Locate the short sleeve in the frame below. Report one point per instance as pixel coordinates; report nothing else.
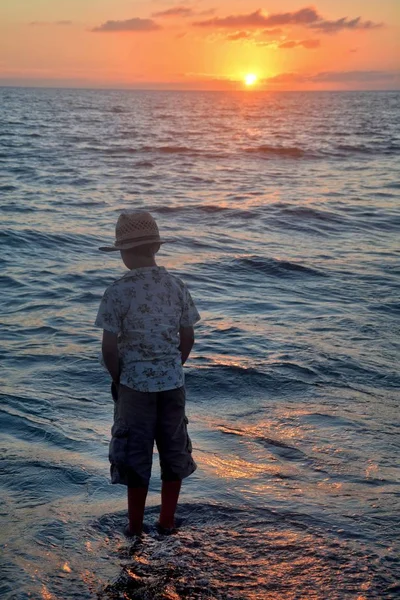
(109, 316)
(190, 315)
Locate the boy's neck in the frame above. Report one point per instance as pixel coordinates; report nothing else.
(137, 262)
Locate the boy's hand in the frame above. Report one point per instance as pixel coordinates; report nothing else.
(114, 391)
(109, 349)
(186, 335)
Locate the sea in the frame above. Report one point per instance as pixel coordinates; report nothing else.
(284, 213)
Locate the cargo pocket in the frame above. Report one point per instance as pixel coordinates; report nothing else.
(189, 446)
(114, 391)
(191, 465)
(118, 449)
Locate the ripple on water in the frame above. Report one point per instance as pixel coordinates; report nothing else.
(222, 553)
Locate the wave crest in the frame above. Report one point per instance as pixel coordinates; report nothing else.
(275, 267)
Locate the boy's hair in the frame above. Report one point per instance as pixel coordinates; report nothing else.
(145, 250)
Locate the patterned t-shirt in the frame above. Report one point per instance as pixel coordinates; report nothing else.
(146, 308)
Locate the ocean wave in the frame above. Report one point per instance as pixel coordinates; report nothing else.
(332, 420)
(235, 380)
(349, 149)
(281, 151)
(17, 208)
(170, 150)
(41, 477)
(306, 213)
(37, 429)
(276, 446)
(353, 149)
(111, 150)
(10, 281)
(347, 372)
(275, 267)
(386, 307)
(146, 149)
(207, 208)
(145, 164)
(28, 238)
(225, 151)
(266, 378)
(333, 151)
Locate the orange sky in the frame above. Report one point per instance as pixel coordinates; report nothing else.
(201, 44)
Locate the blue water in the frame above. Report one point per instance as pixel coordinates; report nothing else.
(285, 210)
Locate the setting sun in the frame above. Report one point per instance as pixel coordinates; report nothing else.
(250, 79)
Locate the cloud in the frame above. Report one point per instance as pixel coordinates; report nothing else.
(40, 23)
(309, 44)
(271, 32)
(135, 24)
(344, 23)
(258, 19)
(306, 17)
(257, 37)
(239, 35)
(355, 76)
(346, 77)
(287, 78)
(175, 11)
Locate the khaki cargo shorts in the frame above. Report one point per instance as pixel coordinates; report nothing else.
(140, 418)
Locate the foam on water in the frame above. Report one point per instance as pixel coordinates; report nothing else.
(284, 210)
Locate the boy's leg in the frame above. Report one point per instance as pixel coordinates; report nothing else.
(135, 412)
(169, 501)
(136, 504)
(175, 451)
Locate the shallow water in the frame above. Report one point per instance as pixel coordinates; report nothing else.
(285, 214)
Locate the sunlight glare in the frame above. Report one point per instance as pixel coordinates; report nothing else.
(250, 79)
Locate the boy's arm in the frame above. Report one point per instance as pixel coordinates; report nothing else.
(109, 350)
(186, 335)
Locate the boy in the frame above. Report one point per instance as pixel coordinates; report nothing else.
(147, 318)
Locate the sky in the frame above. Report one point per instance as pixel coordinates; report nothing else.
(201, 44)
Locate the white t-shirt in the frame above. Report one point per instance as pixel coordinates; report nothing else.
(146, 308)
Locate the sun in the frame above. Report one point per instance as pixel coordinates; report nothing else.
(250, 79)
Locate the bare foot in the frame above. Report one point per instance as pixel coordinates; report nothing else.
(163, 530)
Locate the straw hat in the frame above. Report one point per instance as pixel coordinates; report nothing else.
(134, 229)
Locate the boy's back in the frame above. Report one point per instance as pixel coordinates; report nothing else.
(146, 309)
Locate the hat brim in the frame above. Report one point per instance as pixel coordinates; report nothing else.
(130, 245)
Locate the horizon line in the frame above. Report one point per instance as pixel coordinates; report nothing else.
(128, 88)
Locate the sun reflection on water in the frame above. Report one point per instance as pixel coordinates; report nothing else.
(233, 467)
(46, 595)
